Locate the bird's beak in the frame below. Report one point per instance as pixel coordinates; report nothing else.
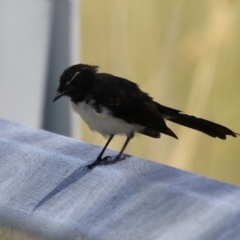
(58, 95)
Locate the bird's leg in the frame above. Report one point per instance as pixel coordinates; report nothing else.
(118, 157)
(99, 159)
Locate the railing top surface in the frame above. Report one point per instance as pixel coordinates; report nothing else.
(46, 191)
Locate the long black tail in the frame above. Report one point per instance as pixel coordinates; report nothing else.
(210, 128)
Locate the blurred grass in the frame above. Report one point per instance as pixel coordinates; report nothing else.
(186, 54)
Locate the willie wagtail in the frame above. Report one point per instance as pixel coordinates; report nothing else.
(113, 105)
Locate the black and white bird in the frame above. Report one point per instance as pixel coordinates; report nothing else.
(113, 105)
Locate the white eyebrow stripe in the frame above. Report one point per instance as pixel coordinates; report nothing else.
(73, 78)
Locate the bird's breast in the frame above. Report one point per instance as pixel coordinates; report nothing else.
(102, 121)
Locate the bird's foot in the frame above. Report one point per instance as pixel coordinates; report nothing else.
(106, 161)
(114, 160)
(99, 161)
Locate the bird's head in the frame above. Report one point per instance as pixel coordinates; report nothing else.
(75, 80)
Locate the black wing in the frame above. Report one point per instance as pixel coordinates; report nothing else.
(128, 102)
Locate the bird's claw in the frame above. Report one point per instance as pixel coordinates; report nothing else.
(115, 160)
(99, 161)
(106, 161)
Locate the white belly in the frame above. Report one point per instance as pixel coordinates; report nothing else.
(103, 122)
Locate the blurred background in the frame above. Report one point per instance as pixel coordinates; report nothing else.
(185, 53)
